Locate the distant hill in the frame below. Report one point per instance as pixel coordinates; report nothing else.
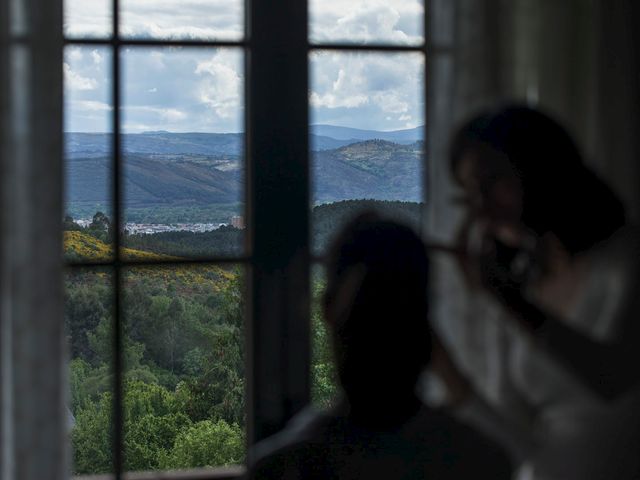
(150, 180)
(323, 137)
(374, 169)
(162, 143)
(353, 135)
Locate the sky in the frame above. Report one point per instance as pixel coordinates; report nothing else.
(200, 90)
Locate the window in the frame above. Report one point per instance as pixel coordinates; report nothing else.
(211, 149)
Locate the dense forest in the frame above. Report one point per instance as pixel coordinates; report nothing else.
(182, 335)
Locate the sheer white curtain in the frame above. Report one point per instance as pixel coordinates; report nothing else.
(579, 60)
(32, 368)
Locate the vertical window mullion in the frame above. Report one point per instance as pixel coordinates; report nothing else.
(278, 183)
(118, 414)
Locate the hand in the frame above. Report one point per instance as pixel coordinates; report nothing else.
(498, 257)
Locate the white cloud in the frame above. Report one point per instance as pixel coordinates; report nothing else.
(87, 95)
(331, 100)
(366, 21)
(91, 106)
(73, 54)
(393, 101)
(195, 19)
(87, 18)
(75, 81)
(221, 84)
(192, 19)
(183, 89)
(367, 90)
(96, 57)
(165, 114)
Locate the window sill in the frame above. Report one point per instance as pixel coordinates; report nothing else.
(230, 473)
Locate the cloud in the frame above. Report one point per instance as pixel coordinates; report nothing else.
(87, 18)
(367, 90)
(87, 92)
(191, 19)
(183, 89)
(75, 81)
(165, 114)
(74, 54)
(366, 21)
(96, 57)
(221, 84)
(201, 89)
(360, 21)
(91, 106)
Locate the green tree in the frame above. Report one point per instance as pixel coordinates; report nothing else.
(207, 444)
(100, 227)
(323, 373)
(149, 439)
(91, 437)
(69, 224)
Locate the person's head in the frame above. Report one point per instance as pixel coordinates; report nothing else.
(518, 165)
(376, 308)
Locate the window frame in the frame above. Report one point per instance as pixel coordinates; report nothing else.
(277, 255)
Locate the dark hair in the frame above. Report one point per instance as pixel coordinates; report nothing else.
(560, 194)
(385, 333)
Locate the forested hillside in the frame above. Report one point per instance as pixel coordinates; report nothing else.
(183, 343)
(184, 367)
(209, 180)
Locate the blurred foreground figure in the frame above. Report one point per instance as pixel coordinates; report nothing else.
(547, 240)
(376, 309)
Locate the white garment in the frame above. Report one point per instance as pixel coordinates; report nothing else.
(557, 427)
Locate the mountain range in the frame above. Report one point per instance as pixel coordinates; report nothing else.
(183, 169)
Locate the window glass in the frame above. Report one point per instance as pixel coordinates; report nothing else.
(182, 19)
(367, 21)
(184, 367)
(88, 319)
(366, 137)
(324, 384)
(87, 18)
(88, 233)
(182, 117)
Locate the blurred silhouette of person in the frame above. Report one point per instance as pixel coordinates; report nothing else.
(548, 240)
(376, 307)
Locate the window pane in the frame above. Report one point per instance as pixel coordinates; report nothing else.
(324, 384)
(366, 138)
(367, 21)
(183, 19)
(87, 18)
(183, 151)
(89, 329)
(88, 234)
(184, 358)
